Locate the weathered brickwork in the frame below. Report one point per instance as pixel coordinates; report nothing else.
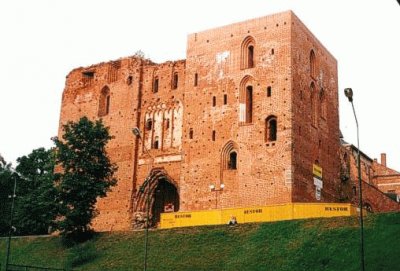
(240, 122)
(372, 174)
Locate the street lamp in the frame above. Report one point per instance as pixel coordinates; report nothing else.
(349, 94)
(216, 190)
(136, 132)
(12, 228)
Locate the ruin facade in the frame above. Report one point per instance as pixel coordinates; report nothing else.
(242, 121)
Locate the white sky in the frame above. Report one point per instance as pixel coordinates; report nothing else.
(42, 40)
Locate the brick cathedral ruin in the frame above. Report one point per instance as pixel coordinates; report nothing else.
(249, 112)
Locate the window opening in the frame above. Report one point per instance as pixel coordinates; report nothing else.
(269, 91)
(249, 104)
(175, 81)
(155, 85)
(232, 163)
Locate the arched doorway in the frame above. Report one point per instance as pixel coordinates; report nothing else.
(165, 199)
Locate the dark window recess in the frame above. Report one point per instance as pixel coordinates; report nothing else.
(88, 74)
(250, 56)
(196, 78)
(269, 91)
(149, 125)
(272, 51)
(104, 102)
(249, 104)
(232, 163)
(213, 135)
(214, 101)
(175, 81)
(155, 85)
(129, 80)
(191, 133)
(271, 129)
(225, 98)
(156, 144)
(312, 64)
(108, 104)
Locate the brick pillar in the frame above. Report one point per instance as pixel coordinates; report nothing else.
(383, 159)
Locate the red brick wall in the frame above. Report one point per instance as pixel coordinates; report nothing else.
(372, 195)
(268, 171)
(314, 142)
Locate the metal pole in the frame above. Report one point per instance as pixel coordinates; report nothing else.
(360, 203)
(11, 222)
(146, 238)
(136, 132)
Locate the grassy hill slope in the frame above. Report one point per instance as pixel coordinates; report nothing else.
(316, 244)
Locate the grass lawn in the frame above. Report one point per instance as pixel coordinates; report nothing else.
(315, 244)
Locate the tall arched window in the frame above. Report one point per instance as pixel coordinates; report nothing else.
(232, 163)
(250, 56)
(249, 104)
(155, 84)
(322, 98)
(149, 124)
(312, 64)
(246, 100)
(156, 143)
(271, 129)
(175, 81)
(104, 102)
(247, 53)
(229, 156)
(196, 79)
(314, 105)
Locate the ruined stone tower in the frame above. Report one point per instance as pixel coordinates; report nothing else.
(250, 111)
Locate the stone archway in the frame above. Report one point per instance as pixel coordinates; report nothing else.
(163, 197)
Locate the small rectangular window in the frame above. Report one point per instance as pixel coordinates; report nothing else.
(175, 81)
(213, 135)
(155, 85)
(225, 98)
(269, 91)
(214, 101)
(196, 78)
(191, 133)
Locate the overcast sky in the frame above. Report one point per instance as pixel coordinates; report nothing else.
(41, 41)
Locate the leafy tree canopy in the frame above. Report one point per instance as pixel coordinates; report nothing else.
(85, 174)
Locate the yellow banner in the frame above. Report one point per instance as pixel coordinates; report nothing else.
(276, 212)
(317, 171)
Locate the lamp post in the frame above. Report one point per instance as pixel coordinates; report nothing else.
(216, 190)
(349, 94)
(136, 132)
(11, 221)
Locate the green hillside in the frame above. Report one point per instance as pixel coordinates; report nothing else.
(316, 244)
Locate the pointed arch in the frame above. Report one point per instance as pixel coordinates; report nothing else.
(314, 100)
(271, 128)
(313, 69)
(247, 53)
(104, 102)
(229, 154)
(323, 103)
(246, 100)
(149, 187)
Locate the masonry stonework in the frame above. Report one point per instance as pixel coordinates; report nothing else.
(249, 112)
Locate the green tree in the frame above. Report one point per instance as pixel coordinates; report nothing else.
(36, 204)
(6, 189)
(86, 173)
